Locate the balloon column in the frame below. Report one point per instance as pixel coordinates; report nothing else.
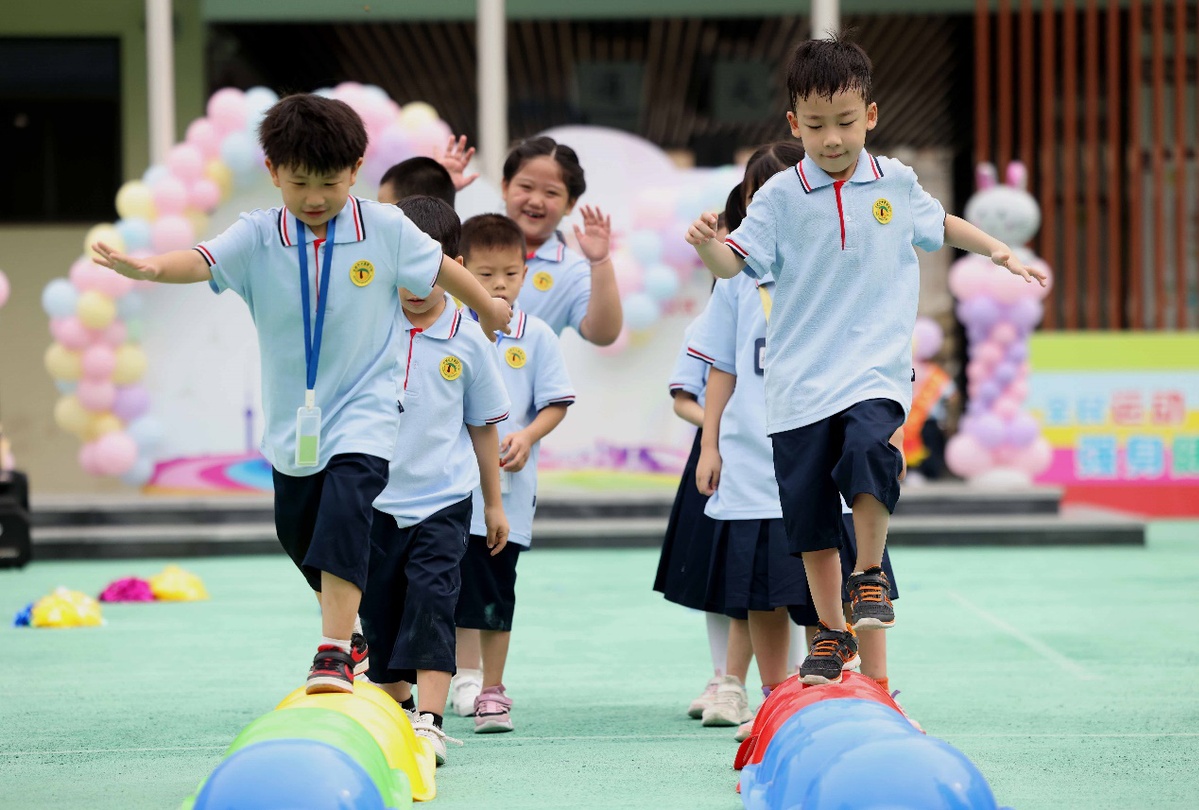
(96, 359)
(998, 441)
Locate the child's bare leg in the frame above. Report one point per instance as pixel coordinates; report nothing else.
(400, 690)
(432, 689)
(339, 602)
(741, 648)
(470, 652)
(495, 656)
(872, 647)
(770, 633)
(809, 634)
(870, 521)
(823, 569)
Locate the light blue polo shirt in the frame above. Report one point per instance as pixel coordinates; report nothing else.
(450, 379)
(843, 256)
(732, 338)
(377, 249)
(534, 373)
(557, 287)
(690, 374)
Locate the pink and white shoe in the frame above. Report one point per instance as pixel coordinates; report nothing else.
(696, 710)
(492, 711)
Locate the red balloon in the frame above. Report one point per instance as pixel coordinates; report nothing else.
(791, 696)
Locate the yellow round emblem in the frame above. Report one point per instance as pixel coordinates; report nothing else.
(516, 357)
(882, 211)
(542, 281)
(451, 368)
(362, 273)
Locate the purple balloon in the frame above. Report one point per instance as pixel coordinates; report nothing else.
(131, 402)
(1005, 372)
(979, 312)
(1017, 352)
(1025, 314)
(1022, 430)
(989, 430)
(988, 392)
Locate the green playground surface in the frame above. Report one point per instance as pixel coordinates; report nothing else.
(1069, 675)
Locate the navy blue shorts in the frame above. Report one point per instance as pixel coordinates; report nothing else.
(685, 565)
(849, 452)
(804, 614)
(488, 597)
(408, 607)
(752, 568)
(324, 520)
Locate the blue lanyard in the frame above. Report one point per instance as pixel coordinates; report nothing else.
(312, 343)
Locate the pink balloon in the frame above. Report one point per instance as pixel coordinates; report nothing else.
(171, 233)
(227, 109)
(204, 136)
(115, 453)
(99, 362)
(1018, 390)
(966, 457)
(170, 196)
(115, 334)
(71, 333)
(926, 338)
(1008, 289)
(96, 396)
(204, 195)
(4, 288)
(975, 371)
(112, 284)
(968, 276)
(86, 275)
(131, 402)
(1035, 458)
(1006, 407)
(88, 460)
(1004, 333)
(186, 162)
(989, 354)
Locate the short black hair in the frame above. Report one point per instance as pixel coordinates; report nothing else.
(734, 208)
(491, 231)
(420, 175)
(306, 131)
(826, 67)
(767, 161)
(563, 155)
(436, 218)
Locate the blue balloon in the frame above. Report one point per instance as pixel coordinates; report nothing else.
(646, 247)
(661, 282)
(135, 231)
(238, 152)
(289, 773)
(154, 174)
(59, 298)
(640, 312)
(146, 432)
(140, 473)
(130, 305)
(916, 771)
(66, 386)
(258, 101)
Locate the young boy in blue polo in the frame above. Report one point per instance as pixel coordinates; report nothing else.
(448, 446)
(320, 276)
(534, 374)
(838, 234)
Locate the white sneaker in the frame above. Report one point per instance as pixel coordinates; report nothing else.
(744, 731)
(464, 688)
(423, 726)
(696, 709)
(730, 704)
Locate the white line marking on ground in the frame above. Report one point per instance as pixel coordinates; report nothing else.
(111, 751)
(1037, 646)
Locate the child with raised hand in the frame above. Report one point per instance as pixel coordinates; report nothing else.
(838, 235)
(534, 375)
(453, 397)
(320, 276)
(542, 183)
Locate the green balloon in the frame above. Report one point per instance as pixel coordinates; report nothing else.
(337, 730)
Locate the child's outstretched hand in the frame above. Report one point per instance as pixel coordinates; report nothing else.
(703, 230)
(496, 320)
(707, 473)
(497, 528)
(455, 158)
(1006, 258)
(595, 236)
(514, 451)
(127, 266)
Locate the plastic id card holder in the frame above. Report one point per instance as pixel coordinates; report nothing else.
(308, 436)
(505, 482)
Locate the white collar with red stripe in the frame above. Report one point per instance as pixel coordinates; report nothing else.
(446, 325)
(351, 227)
(519, 319)
(552, 250)
(812, 177)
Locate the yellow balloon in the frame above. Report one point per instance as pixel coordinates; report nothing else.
(219, 173)
(95, 309)
(101, 423)
(71, 416)
(131, 365)
(134, 199)
(62, 363)
(106, 233)
(199, 221)
(415, 113)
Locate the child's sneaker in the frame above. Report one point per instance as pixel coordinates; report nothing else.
(869, 591)
(730, 704)
(423, 726)
(696, 709)
(744, 730)
(332, 671)
(360, 653)
(492, 711)
(464, 688)
(832, 652)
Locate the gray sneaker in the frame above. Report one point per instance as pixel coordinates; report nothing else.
(730, 704)
(869, 592)
(832, 652)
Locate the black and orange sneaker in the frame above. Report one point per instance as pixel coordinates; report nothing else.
(870, 598)
(832, 652)
(332, 671)
(359, 652)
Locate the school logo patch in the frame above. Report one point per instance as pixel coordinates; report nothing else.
(883, 211)
(516, 357)
(451, 368)
(543, 281)
(362, 273)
